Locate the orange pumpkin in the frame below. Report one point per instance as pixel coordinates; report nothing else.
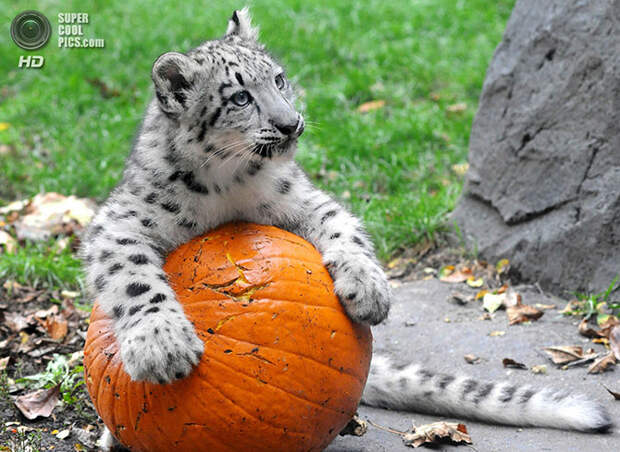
(283, 367)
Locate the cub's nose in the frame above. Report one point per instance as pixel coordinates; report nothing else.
(287, 129)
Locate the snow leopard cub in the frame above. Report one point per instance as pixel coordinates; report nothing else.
(216, 145)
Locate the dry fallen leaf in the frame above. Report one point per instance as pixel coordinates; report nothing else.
(63, 434)
(456, 276)
(615, 395)
(474, 282)
(370, 106)
(460, 298)
(588, 331)
(355, 427)
(56, 326)
(492, 302)
(602, 364)
(460, 169)
(481, 294)
(545, 307)
(520, 313)
(435, 432)
(606, 326)
(51, 213)
(564, 354)
(513, 298)
(508, 362)
(7, 242)
(457, 108)
(496, 333)
(572, 306)
(539, 369)
(472, 359)
(38, 403)
(17, 322)
(86, 436)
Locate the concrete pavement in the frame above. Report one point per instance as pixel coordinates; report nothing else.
(424, 326)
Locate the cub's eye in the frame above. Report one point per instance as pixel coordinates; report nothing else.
(280, 81)
(241, 98)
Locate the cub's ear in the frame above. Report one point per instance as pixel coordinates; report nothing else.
(174, 75)
(240, 24)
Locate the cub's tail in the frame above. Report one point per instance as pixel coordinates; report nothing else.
(414, 388)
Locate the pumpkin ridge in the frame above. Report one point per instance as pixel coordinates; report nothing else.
(297, 303)
(269, 300)
(295, 396)
(232, 402)
(100, 337)
(133, 429)
(309, 358)
(112, 411)
(100, 372)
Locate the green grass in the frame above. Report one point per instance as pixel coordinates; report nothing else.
(601, 305)
(418, 56)
(42, 265)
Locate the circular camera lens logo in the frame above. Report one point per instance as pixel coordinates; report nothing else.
(31, 30)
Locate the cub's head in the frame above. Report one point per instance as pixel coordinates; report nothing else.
(229, 96)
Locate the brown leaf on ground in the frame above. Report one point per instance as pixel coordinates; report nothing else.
(472, 359)
(564, 354)
(615, 395)
(513, 298)
(56, 326)
(17, 322)
(457, 276)
(539, 369)
(508, 362)
(355, 427)
(86, 437)
(614, 341)
(606, 327)
(38, 403)
(24, 294)
(492, 302)
(105, 91)
(522, 313)
(7, 243)
(370, 106)
(457, 108)
(460, 298)
(52, 214)
(587, 331)
(602, 364)
(572, 306)
(545, 307)
(437, 432)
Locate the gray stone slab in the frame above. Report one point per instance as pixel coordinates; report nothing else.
(442, 345)
(543, 187)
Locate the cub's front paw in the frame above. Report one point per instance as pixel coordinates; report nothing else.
(159, 349)
(361, 286)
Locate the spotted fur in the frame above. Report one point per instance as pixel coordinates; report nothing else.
(216, 145)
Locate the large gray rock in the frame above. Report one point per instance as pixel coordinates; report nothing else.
(543, 188)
